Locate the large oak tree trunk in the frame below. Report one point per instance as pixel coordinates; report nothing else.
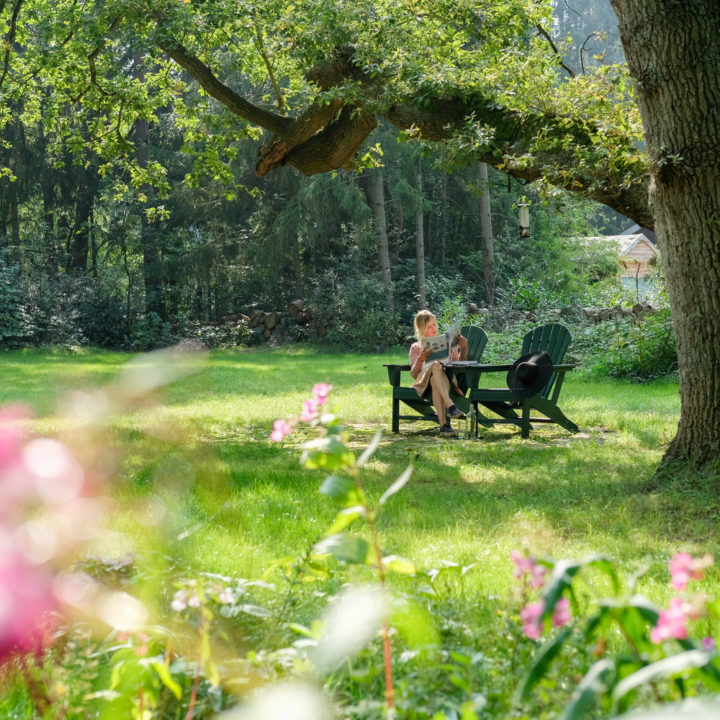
(673, 52)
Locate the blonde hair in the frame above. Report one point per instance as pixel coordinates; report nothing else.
(422, 318)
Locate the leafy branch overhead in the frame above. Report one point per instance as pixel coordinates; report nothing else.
(481, 78)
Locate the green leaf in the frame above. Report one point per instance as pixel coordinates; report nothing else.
(545, 656)
(327, 452)
(205, 650)
(689, 709)
(167, 679)
(343, 490)
(666, 668)
(414, 624)
(212, 673)
(285, 563)
(400, 565)
(634, 616)
(370, 449)
(563, 573)
(347, 548)
(593, 684)
(251, 609)
(344, 518)
(397, 485)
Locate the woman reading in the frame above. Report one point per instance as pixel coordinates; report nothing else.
(430, 378)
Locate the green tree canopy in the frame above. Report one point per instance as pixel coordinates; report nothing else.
(483, 77)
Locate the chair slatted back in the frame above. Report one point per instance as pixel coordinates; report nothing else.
(477, 340)
(554, 339)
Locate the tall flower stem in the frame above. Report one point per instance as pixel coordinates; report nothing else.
(387, 649)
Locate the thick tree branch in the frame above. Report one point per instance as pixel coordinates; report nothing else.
(327, 135)
(624, 189)
(10, 39)
(335, 145)
(227, 96)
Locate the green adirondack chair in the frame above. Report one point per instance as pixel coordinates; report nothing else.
(553, 339)
(422, 407)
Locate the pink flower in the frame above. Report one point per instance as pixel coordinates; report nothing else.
(320, 392)
(562, 615)
(280, 429)
(309, 410)
(708, 644)
(530, 615)
(525, 564)
(672, 623)
(25, 599)
(11, 435)
(683, 568)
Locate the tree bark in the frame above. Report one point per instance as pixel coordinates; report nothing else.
(443, 219)
(673, 52)
(151, 254)
(376, 197)
(79, 242)
(14, 240)
(326, 135)
(297, 266)
(486, 235)
(420, 241)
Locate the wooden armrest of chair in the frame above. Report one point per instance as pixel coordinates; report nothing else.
(394, 373)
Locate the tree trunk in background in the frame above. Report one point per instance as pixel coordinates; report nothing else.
(297, 267)
(49, 230)
(79, 241)
(93, 248)
(486, 235)
(442, 232)
(673, 52)
(14, 239)
(420, 240)
(376, 197)
(151, 256)
(50, 234)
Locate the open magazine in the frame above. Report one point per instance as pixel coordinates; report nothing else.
(444, 346)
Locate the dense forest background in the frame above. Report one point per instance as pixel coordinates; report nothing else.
(88, 258)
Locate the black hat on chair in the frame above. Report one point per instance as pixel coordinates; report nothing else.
(530, 373)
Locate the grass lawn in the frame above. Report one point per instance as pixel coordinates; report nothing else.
(246, 500)
(232, 502)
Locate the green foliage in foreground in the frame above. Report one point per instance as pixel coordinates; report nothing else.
(241, 516)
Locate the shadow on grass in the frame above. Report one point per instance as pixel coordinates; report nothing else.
(589, 490)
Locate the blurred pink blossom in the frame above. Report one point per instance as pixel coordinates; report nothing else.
(530, 615)
(280, 429)
(309, 410)
(11, 435)
(672, 623)
(709, 644)
(525, 564)
(562, 615)
(25, 599)
(683, 568)
(320, 392)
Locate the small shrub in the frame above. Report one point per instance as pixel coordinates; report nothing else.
(10, 298)
(647, 351)
(150, 331)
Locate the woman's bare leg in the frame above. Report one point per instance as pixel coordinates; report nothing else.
(440, 392)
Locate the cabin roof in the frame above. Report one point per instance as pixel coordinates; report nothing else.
(626, 243)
